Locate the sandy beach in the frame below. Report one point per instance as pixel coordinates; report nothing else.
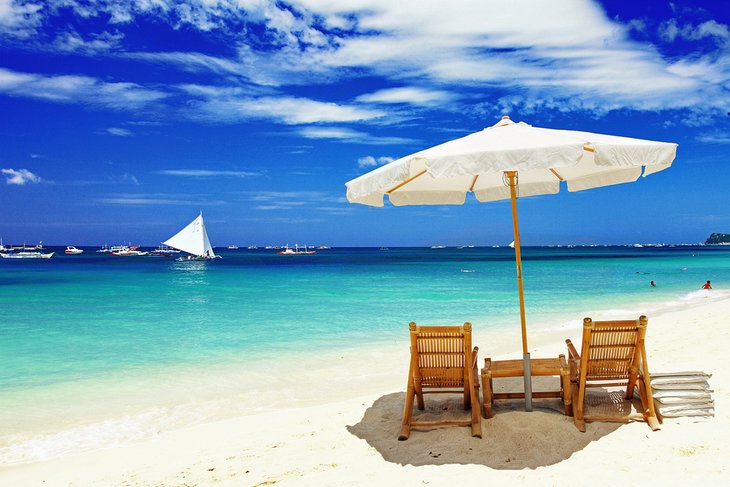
(351, 439)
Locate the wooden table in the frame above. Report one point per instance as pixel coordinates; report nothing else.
(515, 368)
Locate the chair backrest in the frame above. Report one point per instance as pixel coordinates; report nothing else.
(440, 355)
(611, 349)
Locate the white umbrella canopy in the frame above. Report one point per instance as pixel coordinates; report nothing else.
(506, 159)
(444, 174)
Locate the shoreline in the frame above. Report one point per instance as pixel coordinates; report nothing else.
(223, 398)
(671, 345)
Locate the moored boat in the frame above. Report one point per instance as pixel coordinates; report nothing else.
(163, 251)
(71, 250)
(295, 251)
(125, 251)
(26, 254)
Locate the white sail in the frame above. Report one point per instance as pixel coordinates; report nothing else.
(512, 244)
(193, 239)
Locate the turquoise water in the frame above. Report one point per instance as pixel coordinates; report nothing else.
(94, 338)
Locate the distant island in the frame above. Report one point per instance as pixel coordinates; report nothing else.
(718, 239)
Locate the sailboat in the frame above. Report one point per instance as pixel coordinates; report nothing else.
(512, 244)
(193, 239)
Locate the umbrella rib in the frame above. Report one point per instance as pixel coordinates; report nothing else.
(471, 188)
(405, 182)
(556, 174)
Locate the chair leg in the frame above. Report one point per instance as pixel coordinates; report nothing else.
(577, 409)
(633, 376)
(467, 398)
(419, 397)
(476, 416)
(405, 429)
(648, 409)
(487, 393)
(565, 387)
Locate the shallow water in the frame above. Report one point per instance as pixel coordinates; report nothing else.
(99, 350)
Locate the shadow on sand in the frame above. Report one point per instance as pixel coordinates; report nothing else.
(513, 439)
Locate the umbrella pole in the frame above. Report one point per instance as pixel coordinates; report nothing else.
(527, 372)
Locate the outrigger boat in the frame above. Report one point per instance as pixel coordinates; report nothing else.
(26, 254)
(289, 251)
(124, 251)
(164, 251)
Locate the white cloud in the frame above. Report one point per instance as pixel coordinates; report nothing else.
(561, 50)
(204, 173)
(370, 161)
(714, 138)
(670, 31)
(411, 95)
(191, 61)
(302, 110)
(77, 89)
(155, 200)
(130, 178)
(283, 109)
(118, 132)
(141, 201)
(275, 200)
(19, 177)
(352, 136)
(558, 50)
(18, 20)
(71, 41)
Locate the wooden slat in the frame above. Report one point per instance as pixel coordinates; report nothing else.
(444, 422)
(515, 368)
(521, 395)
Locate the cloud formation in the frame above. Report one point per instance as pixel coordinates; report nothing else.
(426, 56)
(370, 161)
(347, 135)
(205, 173)
(78, 89)
(118, 132)
(19, 177)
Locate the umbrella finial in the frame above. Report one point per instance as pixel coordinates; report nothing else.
(505, 117)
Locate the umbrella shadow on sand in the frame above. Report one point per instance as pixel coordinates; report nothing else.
(513, 439)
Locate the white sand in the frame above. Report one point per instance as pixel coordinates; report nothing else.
(351, 439)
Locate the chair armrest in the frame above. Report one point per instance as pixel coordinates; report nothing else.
(574, 355)
(474, 354)
(573, 360)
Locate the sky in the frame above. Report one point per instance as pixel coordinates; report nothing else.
(121, 120)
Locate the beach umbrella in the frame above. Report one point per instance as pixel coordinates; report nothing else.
(506, 161)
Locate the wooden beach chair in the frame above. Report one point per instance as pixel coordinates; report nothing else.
(442, 361)
(612, 354)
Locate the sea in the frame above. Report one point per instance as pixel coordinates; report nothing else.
(98, 351)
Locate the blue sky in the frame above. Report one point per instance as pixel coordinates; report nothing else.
(119, 121)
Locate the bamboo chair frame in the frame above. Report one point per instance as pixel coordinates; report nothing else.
(613, 354)
(442, 361)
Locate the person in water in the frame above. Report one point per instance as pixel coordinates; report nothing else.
(653, 284)
(707, 285)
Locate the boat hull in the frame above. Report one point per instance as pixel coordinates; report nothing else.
(27, 255)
